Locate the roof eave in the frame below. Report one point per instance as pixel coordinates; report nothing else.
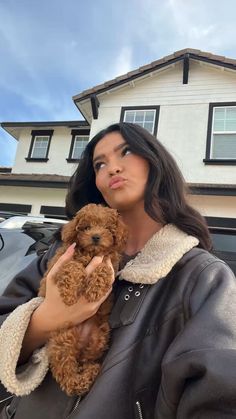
(69, 124)
(167, 62)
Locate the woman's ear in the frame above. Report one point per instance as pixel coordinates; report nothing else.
(69, 232)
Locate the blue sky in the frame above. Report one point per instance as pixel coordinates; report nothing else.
(53, 49)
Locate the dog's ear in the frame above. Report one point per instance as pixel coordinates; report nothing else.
(69, 232)
(121, 234)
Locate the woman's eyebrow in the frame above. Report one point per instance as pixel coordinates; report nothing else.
(102, 156)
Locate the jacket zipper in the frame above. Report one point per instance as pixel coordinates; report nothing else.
(75, 407)
(140, 414)
(7, 398)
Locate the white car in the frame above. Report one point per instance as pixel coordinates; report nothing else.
(21, 220)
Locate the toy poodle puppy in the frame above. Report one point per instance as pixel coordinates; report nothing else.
(74, 356)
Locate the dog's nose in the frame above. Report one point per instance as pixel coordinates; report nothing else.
(96, 238)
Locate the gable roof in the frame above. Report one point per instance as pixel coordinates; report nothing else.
(188, 53)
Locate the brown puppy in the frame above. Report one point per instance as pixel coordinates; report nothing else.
(74, 357)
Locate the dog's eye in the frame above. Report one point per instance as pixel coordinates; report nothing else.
(84, 228)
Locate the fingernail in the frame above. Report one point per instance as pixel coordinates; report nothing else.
(71, 247)
(99, 258)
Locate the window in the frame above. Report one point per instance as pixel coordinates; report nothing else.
(146, 116)
(39, 146)
(221, 137)
(78, 143)
(79, 146)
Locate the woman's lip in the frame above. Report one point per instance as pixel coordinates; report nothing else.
(117, 184)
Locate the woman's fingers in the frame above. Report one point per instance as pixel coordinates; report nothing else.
(61, 314)
(66, 257)
(96, 261)
(108, 262)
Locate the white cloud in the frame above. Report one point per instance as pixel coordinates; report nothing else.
(122, 64)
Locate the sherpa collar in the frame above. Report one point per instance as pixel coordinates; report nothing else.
(159, 255)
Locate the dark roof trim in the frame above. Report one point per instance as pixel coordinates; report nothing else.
(4, 169)
(185, 68)
(194, 188)
(186, 54)
(213, 61)
(69, 124)
(95, 105)
(35, 183)
(219, 190)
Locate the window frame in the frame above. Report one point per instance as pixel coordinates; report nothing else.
(38, 133)
(76, 133)
(208, 159)
(142, 108)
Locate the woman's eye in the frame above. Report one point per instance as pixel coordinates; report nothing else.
(125, 151)
(98, 166)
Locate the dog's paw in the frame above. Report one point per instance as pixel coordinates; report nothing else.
(99, 283)
(70, 281)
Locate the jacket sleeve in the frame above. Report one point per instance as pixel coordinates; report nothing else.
(199, 367)
(16, 307)
(25, 284)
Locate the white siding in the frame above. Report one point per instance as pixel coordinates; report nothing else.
(214, 206)
(33, 196)
(58, 153)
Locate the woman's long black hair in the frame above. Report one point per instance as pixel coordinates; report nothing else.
(166, 191)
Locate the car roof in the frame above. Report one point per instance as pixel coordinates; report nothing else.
(20, 221)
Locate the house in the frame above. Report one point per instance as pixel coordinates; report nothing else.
(46, 157)
(187, 99)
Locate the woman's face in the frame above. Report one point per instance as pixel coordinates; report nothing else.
(121, 175)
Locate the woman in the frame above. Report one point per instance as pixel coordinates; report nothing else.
(173, 344)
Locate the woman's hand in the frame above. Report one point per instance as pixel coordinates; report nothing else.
(53, 314)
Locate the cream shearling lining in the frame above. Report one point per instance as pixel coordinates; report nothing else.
(159, 255)
(11, 336)
(155, 261)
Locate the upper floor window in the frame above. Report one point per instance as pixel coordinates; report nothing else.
(146, 116)
(78, 144)
(221, 137)
(39, 146)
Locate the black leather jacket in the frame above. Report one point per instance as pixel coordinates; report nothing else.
(172, 351)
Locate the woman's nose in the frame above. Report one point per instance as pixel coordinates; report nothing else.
(114, 168)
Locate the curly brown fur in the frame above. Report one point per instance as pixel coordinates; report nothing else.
(74, 357)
